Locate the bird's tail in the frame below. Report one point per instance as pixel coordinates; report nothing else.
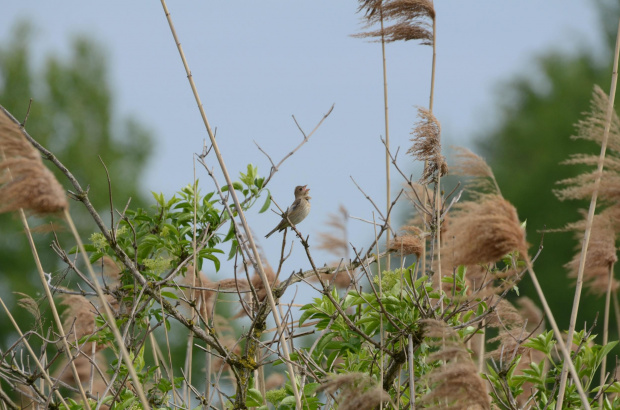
(270, 233)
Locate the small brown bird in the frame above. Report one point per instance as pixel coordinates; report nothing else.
(296, 212)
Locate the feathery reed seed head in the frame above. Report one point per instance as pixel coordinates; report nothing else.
(408, 244)
(427, 145)
(456, 384)
(484, 231)
(468, 164)
(357, 391)
(411, 20)
(600, 256)
(24, 181)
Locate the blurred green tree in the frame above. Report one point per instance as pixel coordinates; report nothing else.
(72, 114)
(536, 118)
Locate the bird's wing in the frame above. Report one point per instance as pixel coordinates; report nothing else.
(294, 206)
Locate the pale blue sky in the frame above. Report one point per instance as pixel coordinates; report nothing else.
(257, 63)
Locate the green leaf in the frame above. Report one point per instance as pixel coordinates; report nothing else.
(231, 232)
(159, 198)
(215, 260)
(267, 203)
(233, 249)
(254, 398)
(88, 247)
(169, 295)
(325, 340)
(95, 257)
(310, 388)
(288, 401)
(259, 182)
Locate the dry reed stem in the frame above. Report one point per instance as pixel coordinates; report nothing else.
(31, 202)
(34, 357)
(610, 124)
(111, 320)
(558, 336)
(606, 329)
(239, 209)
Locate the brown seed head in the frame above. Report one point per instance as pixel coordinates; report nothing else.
(24, 181)
(357, 391)
(484, 231)
(426, 145)
(601, 254)
(455, 384)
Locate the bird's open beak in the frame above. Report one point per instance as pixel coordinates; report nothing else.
(306, 189)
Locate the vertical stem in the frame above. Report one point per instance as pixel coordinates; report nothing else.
(109, 314)
(591, 210)
(380, 316)
(261, 375)
(616, 311)
(606, 329)
(568, 363)
(33, 355)
(48, 294)
(436, 206)
(248, 232)
(432, 96)
(411, 374)
(50, 298)
(481, 349)
(387, 137)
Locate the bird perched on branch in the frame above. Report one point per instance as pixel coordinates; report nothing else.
(297, 212)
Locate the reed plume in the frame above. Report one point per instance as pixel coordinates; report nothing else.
(483, 231)
(411, 20)
(409, 243)
(456, 383)
(600, 256)
(337, 243)
(78, 323)
(357, 391)
(591, 128)
(427, 145)
(474, 167)
(24, 181)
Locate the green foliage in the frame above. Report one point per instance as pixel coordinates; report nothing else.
(543, 376)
